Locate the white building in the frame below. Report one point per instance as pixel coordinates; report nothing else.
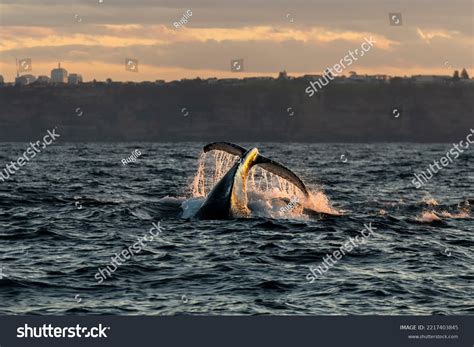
(74, 78)
(59, 75)
(382, 78)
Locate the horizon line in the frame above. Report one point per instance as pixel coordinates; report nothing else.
(279, 77)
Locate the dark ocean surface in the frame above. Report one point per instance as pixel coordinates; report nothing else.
(74, 206)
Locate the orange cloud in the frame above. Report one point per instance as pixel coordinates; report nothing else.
(266, 33)
(132, 34)
(428, 35)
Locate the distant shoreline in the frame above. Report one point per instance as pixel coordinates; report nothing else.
(260, 111)
(354, 78)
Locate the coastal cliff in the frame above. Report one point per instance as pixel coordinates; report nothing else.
(258, 111)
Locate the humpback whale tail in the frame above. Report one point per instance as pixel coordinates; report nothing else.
(265, 163)
(228, 197)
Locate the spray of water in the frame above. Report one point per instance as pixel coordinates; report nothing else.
(268, 194)
(211, 168)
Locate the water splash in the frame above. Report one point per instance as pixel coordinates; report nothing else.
(455, 215)
(428, 200)
(434, 216)
(198, 186)
(267, 192)
(428, 217)
(211, 168)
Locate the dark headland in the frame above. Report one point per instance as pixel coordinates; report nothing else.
(398, 110)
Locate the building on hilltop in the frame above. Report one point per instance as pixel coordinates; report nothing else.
(24, 80)
(43, 79)
(256, 79)
(382, 78)
(74, 78)
(230, 81)
(311, 77)
(211, 80)
(59, 75)
(430, 78)
(354, 77)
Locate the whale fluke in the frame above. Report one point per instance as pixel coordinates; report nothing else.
(282, 171)
(226, 147)
(228, 198)
(265, 163)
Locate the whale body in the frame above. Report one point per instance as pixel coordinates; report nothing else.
(228, 198)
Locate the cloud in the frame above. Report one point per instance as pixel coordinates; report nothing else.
(139, 35)
(257, 30)
(428, 35)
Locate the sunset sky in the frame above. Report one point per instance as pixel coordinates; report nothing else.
(301, 37)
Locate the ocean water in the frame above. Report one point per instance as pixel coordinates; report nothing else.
(74, 206)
